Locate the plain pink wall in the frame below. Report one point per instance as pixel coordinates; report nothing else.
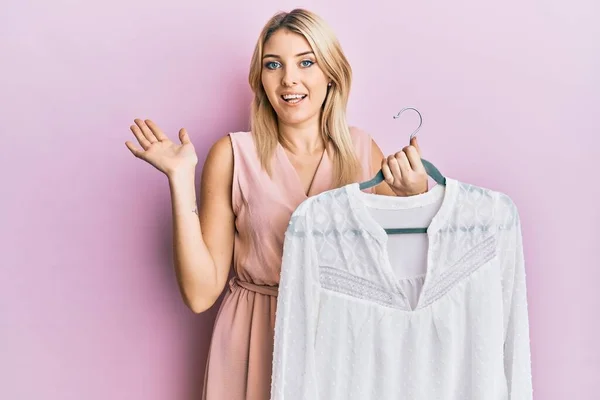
(89, 307)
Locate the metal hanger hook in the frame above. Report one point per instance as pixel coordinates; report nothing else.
(420, 119)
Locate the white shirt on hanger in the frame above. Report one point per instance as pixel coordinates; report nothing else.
(442, 315)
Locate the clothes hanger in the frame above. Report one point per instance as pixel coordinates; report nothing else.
(431, 170)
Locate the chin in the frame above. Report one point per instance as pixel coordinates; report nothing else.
(296, 119)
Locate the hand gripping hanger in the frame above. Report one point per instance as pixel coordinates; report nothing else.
(431, 170)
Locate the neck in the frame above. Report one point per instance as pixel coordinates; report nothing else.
(303, 139)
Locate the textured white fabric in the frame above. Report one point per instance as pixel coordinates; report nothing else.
(346, 329)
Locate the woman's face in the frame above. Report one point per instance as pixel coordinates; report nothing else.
(293, 81)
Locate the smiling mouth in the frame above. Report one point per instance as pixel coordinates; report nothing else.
(293, 98)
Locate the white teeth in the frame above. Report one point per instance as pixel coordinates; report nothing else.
(292, 96)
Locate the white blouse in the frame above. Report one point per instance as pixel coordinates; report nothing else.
(356, 320)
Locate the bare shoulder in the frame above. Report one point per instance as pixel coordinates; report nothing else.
(358, 134)
(218, 166)
(222, 147)
(376, 153)
(376, 156)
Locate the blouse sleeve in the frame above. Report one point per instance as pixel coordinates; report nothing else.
(296, 316)
(517, 358)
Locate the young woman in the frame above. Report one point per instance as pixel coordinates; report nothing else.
(299, 145)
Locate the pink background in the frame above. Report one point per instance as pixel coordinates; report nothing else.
(89, 307)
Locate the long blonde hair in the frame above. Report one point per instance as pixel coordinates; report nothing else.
(333, 62)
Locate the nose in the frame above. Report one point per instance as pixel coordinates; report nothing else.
(289, 77)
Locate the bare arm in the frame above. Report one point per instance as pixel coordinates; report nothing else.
(203, 239)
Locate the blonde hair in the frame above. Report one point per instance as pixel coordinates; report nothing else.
(333, 62)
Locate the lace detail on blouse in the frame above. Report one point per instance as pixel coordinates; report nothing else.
(351, 285)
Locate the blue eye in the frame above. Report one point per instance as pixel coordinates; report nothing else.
(306, 61)
(272, 64)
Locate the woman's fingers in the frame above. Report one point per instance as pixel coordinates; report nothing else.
(158, 133)
(183, 136)
(415, 144)
(147, 132)
(394, 169)
(134, 150)
(404, 171)
(400, 169)
(387, 173)
(139, 135)
(403, 163)
(413, 157)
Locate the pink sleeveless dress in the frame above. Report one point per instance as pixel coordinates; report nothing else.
(241, 349)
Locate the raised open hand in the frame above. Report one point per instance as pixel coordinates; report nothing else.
(159, 151)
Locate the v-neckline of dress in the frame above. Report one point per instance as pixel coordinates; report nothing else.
(316, 185)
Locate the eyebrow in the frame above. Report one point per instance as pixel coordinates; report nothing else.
(297, 55)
